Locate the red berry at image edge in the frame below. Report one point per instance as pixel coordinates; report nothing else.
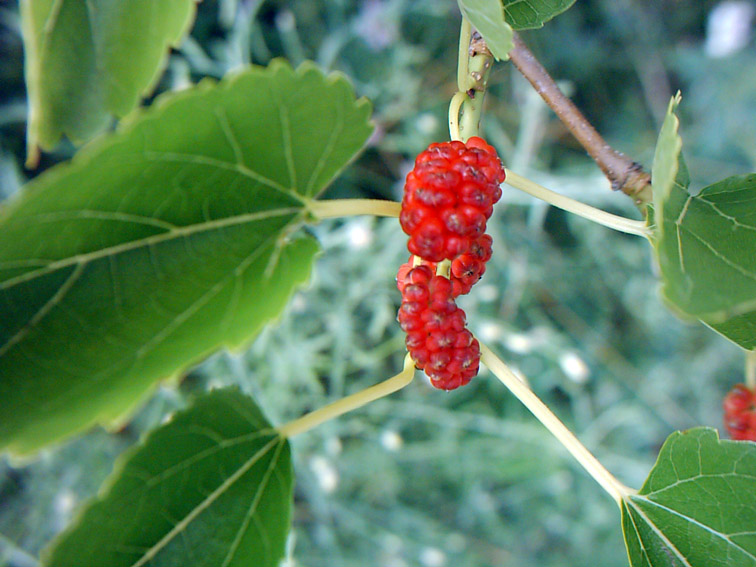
(449, 196)
(740, 413)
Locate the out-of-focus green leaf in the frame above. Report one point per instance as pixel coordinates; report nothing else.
(163, 243)
(88, 59)
(706, 247)
(211, 487)
(705, 242)
(487, 16)
(698, 506)
(527, 14)
(666, 158)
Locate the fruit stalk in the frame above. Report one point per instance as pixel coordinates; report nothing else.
(335, 208)
(603, 218)
(522, 392)
(350, 403)
(473, 67)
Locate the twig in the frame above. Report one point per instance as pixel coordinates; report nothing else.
(624, 174)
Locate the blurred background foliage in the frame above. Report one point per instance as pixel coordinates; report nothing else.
(463, 478)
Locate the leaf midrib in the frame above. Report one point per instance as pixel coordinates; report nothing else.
(629, 502)
(211, 498)
(693, 521)
(166, 236)
(143, 350)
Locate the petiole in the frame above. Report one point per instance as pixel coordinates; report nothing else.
(622, 224)
(522, 392)
(350, 403)
(335, 208)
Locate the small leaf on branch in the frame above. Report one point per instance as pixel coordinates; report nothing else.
(528, 14)
(698, 506)
(162, 243)
(211, 487)
(86, 61)
(487, 16)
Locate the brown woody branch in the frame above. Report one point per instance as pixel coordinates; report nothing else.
(624, 174)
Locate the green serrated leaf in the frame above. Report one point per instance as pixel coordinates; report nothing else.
(698, 506)
(666, 158)
(705, 248)
(88, 59)
(211, 487)
(529, 14)
(163, 243)
(705, 242)
(487, 16)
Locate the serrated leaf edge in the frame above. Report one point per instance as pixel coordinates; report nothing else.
(628, 503)
(498, 55)
(32, 71)
(662, 188)
(138, 116)
(123, 460)
(91, 151)
(537, 26)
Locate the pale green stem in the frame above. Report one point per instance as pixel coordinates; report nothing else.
(473, 67)
(459, 98)
(750, 369)
(616, 222)
(350, 403)
(350, 207)
(522, 392)
(479, 67)
(465, 34)
(454, 108)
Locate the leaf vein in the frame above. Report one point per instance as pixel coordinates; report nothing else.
(179, 527)
(695, 522)
(717, 254)
(151, 481)
(43, 311)
(658, 532)
(195, 306)
(240, 168)
(642, 544)
(252, 510)
(220, 113)
(189, 230)
(336, 133)
(730, 218)
(695, 478)
(283, 116)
